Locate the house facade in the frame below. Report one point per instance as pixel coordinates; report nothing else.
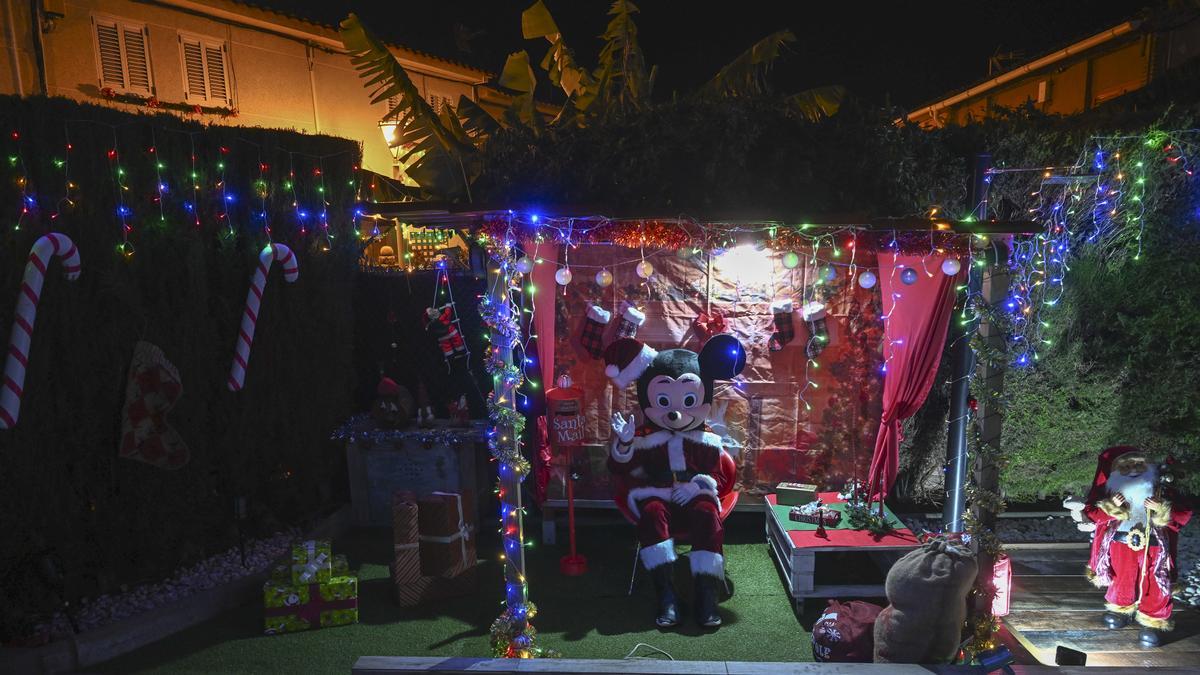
(217, 60)
(1078, 77)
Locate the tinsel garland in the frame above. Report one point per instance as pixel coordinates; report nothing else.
(709, 237)
(509, 641)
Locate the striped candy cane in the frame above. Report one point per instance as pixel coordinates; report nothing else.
(53, 244)
(291, 271)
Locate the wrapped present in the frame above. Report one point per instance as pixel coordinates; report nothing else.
(312, 561)
(828, 516)
(288, 608)
(411, 592)
(282, 571)
(793, 494)
(406, 558)
(447, 548)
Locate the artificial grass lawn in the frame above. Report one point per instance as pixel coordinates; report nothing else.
(582, 617)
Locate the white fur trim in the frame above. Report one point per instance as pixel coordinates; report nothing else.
(662, 436)
(621, 455)
(595, 313)
(705, 482)
(813, 310)
(675, 453)
(634, 369)
(707, 563)
(632, 315)
(639, 493)
(781, 306)
(662, 553)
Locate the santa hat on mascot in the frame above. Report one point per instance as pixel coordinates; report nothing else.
(626, 360)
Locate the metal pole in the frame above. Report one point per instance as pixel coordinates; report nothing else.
(963, 364)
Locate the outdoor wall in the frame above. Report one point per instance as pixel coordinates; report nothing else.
(269, 74)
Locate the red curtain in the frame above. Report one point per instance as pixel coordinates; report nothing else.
(916, 317)
(542, 279)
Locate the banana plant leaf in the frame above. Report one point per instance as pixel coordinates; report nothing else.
(819, 102)
(439, 159)
(746, 75)
(559, 63)
(476, 122)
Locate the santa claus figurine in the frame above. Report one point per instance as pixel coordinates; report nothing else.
(1137, 517)
(672, 464)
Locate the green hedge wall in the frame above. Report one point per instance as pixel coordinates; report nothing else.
(65, 496)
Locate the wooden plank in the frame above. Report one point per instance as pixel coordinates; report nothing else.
(1056, 601)
(1109, 641)
(1044, 545)
(846, 591)
(1162, 662)
(1074, 553)
(1058, 583)
(1052, 567)
(1050, 619)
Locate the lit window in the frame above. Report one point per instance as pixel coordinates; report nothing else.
(123, 56)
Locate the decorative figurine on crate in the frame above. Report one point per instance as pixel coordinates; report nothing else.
(394, 405)
(460, 412)
(676, 471)
(1138, 517)
(814, 513)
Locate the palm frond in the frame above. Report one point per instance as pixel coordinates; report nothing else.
(819, 102)
(746, 74)
(436, 158)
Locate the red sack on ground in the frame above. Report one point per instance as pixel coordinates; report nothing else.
(845, 633)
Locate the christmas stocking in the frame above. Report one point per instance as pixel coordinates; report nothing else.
(818, 333)
(151, 391)
(439, 321)
(784, 330)
(630, 319)
(594, 324)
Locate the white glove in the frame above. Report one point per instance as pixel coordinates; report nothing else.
(622, 428)
(684, 492)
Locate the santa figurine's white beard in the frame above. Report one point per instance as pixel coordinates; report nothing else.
(1136, 490)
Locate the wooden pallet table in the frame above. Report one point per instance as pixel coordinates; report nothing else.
(815, 567)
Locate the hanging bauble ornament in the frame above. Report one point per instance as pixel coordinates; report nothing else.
(951, 266)
(828, 273)
(791, 260)
(867, 279)
(563, 276)
(645, 270)
(908, 276)
(525, 265)
(604, 278)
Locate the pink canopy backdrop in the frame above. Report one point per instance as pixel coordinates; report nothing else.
(916, 318)
(542, 277)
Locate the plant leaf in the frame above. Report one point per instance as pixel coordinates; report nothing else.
(746, 74)
(518, 74)
(477, 122)
(536, 22)
(819, 102)
(438, 157)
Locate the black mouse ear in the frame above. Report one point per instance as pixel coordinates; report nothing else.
(722, 358)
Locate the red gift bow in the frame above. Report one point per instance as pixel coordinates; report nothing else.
(310, 612)
(708, 325)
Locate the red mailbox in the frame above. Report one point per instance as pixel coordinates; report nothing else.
(564, 417)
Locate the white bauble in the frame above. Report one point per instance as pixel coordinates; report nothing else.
(604, 278)
(525, 265)
(563, 276)
(951, 266)
(867, 279)
(645, 270)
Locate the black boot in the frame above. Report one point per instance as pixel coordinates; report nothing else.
(1114, 620)
(1148, 637)
(668, 604)
(708, 589)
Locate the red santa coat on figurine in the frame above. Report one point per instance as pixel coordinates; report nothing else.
(673, 463)
(1138, 516)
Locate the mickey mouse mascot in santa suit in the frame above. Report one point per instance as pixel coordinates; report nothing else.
(1138, 517)
(673, 464)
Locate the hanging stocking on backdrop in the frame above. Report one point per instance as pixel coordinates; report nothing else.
(818, 332)
(151, 390)
(592, 337)
(629, 322)
(785, 330)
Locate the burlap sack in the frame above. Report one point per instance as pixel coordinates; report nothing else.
(927, 591)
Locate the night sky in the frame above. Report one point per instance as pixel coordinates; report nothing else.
(904, 53)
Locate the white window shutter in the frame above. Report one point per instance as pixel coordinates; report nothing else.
(193, 70)
(112, 64)
(137, 60)
(218, 87)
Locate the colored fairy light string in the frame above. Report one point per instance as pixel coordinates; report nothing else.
(193, 206)
(68, 186)
(125, 248)
(326, 238)
(263, 189)
(226, 197)
(28, 201)
(290, 185)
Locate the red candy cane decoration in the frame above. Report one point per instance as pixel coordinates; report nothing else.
(53, 244)
(291, 271)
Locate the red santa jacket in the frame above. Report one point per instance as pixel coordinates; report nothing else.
(657, 460)
(1103, 511)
